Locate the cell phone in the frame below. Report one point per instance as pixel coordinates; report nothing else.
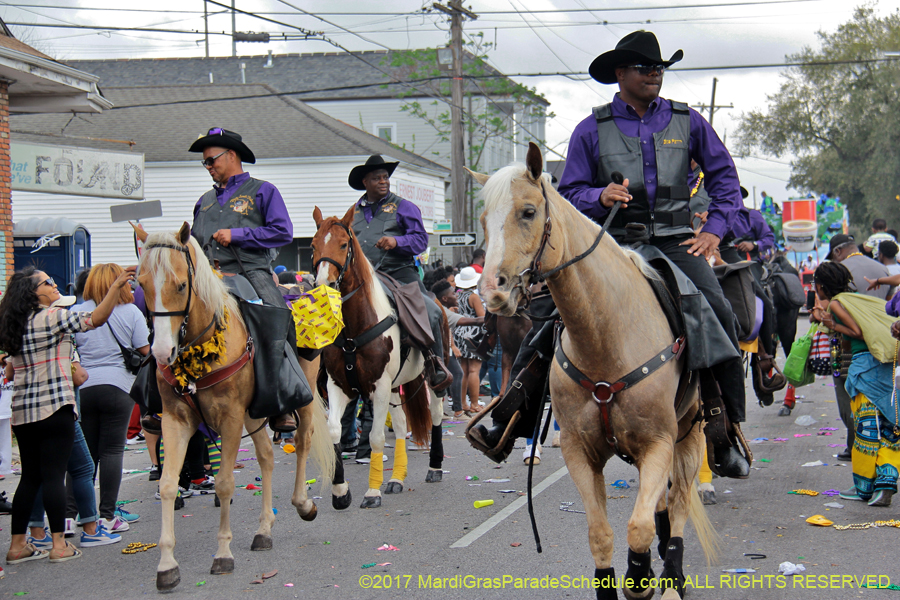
(810, 300)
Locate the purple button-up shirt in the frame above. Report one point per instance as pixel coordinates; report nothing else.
(409, 217)
(578, 180)
(278, 229)
(750, 224)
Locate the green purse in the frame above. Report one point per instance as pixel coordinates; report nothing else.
(796, 369)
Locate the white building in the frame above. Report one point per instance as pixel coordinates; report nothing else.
(305, 153)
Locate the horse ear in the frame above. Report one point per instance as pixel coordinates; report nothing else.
(534, 161)
(317, 217)
(479, 177)
(184, 234)
(348, 216)
(140, 233)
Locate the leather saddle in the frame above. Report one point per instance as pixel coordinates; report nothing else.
(408, 301)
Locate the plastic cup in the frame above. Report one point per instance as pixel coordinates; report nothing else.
(483, 503)
(288, 448)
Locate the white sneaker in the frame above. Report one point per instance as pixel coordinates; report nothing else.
(114, 525)
(70, 528)
(367, 460)
(526, 455)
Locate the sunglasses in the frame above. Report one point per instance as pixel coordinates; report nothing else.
(49, 281)
(647, 69)
(209, 162)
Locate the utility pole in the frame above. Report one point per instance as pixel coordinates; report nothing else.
(206, 27)
(233, 29)
(712, 103)
(457, 143)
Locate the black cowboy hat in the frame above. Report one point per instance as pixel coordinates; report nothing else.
(638, 47)
(222, 138)
(374, 163)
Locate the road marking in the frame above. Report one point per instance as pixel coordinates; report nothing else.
(482, 529)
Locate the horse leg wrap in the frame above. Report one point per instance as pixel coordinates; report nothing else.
(436, 454)
(672, 574)
(338, 466)
(376, 470)
(607, 588)
(663, 531)
(400, 461)
(639, 571)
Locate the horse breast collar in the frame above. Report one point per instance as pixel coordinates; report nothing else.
(604, 392)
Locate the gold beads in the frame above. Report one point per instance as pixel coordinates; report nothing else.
(135, 547)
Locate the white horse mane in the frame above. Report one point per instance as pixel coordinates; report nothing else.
(497, 191)
(208, 287)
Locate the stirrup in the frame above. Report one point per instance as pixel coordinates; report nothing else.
(504, 447)
(737, 440)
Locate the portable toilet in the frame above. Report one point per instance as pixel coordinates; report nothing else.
(58, 246)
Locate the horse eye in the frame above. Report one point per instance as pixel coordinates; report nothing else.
(182, 287)
(344, 246)
(528, 213)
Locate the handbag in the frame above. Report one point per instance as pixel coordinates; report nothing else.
(133, 359)
(796, 367)
(820, 361)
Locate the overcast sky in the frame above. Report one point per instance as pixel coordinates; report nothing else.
(527, 41)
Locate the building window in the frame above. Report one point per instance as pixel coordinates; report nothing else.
(386, 131)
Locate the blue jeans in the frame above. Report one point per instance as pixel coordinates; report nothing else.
(81, 480)
(493, 367)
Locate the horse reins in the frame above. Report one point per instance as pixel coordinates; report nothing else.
(533, 272)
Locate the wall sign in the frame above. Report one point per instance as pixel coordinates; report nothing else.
(78, 171)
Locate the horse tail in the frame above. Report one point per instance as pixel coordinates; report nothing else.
(321, 449)
(415, 405)
(706, 533)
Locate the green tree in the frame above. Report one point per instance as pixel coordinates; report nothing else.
(840, 120)
(491, 103)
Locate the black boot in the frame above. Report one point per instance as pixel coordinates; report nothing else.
(725, 460)
(284, 423)
(439, 376)
(607, 588)
(151, 424)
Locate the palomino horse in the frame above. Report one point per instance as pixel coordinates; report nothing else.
(613, 326)
(371, 339)
(190, 305)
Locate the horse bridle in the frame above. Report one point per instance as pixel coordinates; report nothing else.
(342, 268)
(182, 332)
(533, 272)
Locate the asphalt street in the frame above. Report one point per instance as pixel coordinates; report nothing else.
(442, 539)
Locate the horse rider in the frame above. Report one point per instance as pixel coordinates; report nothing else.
(750, 235)
(248, 215)
(391, 233)
(651, 141)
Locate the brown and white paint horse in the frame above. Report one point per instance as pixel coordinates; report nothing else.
(176, 276)
(339, 260)
(613, 325)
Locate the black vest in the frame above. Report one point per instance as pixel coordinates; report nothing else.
(384, 222)
(240, 211)
(618, 152)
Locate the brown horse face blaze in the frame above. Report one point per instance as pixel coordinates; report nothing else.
(513, 221)
(332, 241)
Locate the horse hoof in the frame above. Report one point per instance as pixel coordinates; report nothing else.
(166, 581)
(311, 515)
(434, 476)
(393, 487)
(635, 595)
(371, 502)
(261, 542)
(671, 584)
(341, 502)
(222, 566)
(708, 498)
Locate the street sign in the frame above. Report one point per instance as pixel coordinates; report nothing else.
(135, 211)
(442, 226)
(457, 239)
